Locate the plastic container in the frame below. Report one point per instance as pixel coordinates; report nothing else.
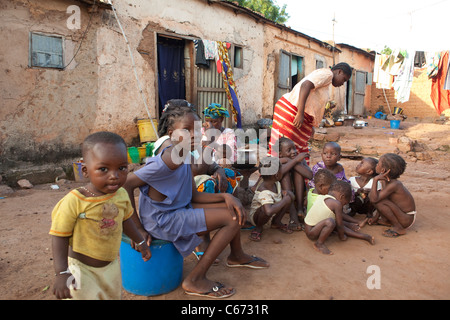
(133, 155)
(162, 274)
(146, 132)
(395, 124)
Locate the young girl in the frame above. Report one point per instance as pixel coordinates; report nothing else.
(393, 202)
(171, 209)
(87, 224)
(331, 154)
(326, 215)
(269, 201)
(294, 172)
(361, 186)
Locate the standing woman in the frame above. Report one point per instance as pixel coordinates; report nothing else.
(297, 112)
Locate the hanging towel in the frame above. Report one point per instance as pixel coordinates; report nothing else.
(394, 62)
(439, 96)
(210, 49)
(200, 60)
(404, 79)
(382, 78)
(432, 63)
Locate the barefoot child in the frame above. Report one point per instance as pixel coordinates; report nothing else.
(294, 172)
(323, 178)
(269, 201)
(393, 202)
(326, 215)
(171, 209)
(361, 185)
(87, 224)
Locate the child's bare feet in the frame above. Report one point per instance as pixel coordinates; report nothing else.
(322, 248)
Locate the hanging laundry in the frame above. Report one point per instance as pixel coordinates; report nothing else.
(439, 96)
(382, 78)
(419, 59)
(210, 49)
(200, 60)
(447, 78)
(223, 61)
(432, 63)
(394, 62)
(403, 80)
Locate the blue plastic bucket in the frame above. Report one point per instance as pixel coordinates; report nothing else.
(395, 124)
(161, 274)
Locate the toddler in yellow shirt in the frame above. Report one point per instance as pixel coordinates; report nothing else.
(87, 224)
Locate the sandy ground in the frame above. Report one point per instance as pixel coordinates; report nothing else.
(414, 266)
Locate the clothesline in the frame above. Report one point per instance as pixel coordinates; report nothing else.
(396, 71)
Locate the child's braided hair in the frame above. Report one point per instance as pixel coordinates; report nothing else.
(174, 110)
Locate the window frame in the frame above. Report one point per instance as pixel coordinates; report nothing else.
(32, 50)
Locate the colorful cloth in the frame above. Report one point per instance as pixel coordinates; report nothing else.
(215, 111)
(283, 118)
(208, 184)
(224, 67)
(439, 96)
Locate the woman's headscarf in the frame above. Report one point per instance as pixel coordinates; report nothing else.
(215, 111)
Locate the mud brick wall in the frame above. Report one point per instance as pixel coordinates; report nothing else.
(419, 107)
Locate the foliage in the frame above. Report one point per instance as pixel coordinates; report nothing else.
(267, 8)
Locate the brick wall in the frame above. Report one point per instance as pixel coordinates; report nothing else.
(418, 107)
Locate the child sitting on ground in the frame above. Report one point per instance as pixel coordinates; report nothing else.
(323, 178)
(294, 172)
(331, 154)
(393, 202)
(87, 224)
(361, 185)
(269, 202)
(326, 215)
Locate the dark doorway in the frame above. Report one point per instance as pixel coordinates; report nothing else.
(171, 78)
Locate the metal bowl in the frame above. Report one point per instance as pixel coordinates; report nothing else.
(358, 126)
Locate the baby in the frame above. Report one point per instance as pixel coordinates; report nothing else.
(269, 201)
(393, 202)
(326, 215)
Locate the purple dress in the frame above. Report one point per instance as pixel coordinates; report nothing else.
(172, 219)
(320, 165)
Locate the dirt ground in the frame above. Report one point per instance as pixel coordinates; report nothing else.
(414, 266)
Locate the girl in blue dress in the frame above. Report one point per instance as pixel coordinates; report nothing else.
(171, 209)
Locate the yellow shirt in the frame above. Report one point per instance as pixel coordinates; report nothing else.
(319, 211)
(94, 224)
(318, 97)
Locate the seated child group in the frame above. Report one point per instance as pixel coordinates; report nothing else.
(184, 202)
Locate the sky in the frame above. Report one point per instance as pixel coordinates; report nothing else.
(399, 24)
